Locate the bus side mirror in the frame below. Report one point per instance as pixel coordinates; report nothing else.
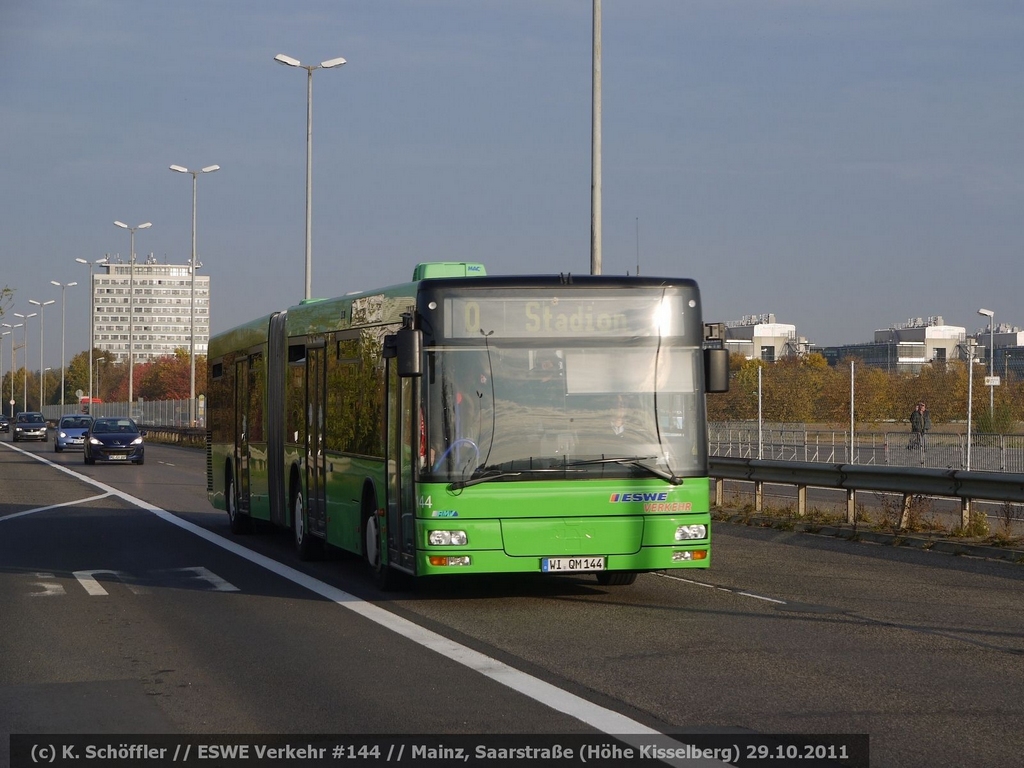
(716, 370)
(409, 348)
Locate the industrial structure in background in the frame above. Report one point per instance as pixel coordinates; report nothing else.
(902, 347)
(907, 347)
(162, 309)
(761, 337)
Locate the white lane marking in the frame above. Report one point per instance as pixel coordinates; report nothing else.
(762, 597)
(604, 720)
(89, 583)
(50, 588)
(205, 574)
(53, 506)
(721, 589)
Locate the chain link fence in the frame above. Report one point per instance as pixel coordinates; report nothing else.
(738, 439)
(152, 414)
(938, 450)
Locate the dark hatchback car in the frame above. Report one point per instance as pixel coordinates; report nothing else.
(5, 423)
(116, 440)
(29, 425)
(70, 432)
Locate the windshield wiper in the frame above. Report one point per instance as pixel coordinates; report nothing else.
(634, 461)
(627, 461)
(611, 460)
(460, 484)
(497, 474)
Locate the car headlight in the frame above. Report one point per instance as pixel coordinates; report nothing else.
(61, 434)
(94, 441)
(137, 441)
(447, 538)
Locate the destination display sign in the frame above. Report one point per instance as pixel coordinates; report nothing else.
(574, 317)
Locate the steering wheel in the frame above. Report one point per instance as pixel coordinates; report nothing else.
(458, 443)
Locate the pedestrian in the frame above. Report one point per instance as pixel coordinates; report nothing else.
(920, 423)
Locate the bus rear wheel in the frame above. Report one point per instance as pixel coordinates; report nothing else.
(616, 578)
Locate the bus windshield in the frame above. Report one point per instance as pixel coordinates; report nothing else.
(509, 411)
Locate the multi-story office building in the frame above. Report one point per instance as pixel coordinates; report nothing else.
(161, 304)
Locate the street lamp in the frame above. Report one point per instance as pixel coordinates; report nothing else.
(92, 318)
(192, 302)
(62, 286)
(595, 145)
(131, 306)
(11, 334)
(24, 346)
(991, 360)
(329, 64)
(13, 348)
(42, 305)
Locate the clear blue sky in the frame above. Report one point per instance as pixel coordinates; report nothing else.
(844, 165)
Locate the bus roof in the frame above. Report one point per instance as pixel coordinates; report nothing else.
(386, 305)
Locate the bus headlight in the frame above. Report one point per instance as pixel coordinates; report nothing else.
(687, 532)
(447, 538)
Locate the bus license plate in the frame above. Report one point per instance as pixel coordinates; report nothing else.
(571, 564)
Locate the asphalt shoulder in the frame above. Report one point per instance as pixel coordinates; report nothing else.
(991, 549)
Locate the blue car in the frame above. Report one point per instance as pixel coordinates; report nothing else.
(115, 439)
(71, 431)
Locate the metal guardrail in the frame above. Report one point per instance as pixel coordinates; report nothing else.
(190, 437)
(967, 486)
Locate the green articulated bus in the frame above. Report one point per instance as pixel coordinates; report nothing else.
(466, 423)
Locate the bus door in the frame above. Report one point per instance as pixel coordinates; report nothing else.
(402, 439)
(316, 461)
(241, 429)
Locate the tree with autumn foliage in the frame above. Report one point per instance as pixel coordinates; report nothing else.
(165, 378)
(168, 377)
(807, 390)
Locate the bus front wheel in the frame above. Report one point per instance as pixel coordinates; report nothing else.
(239, 523)
(305, 544)
(385, 576)
(616, 578)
